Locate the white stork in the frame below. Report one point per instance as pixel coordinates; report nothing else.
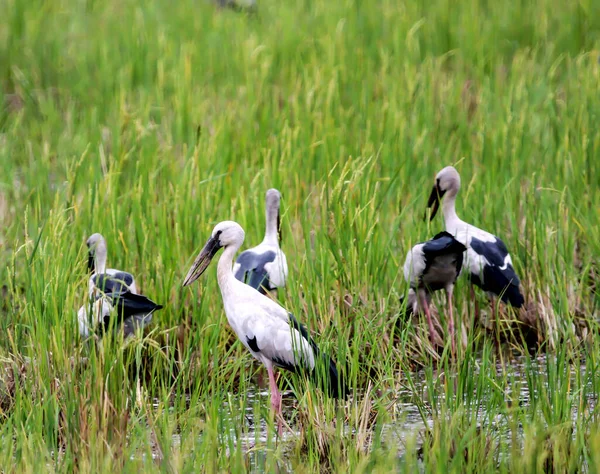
(131, 310)
(271, 334)
(111, 292)
(264, 267)
(105, 280)
(431, 266)
(487, 258)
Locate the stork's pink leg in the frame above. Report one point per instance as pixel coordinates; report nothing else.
(429, 321)
(275, 399)
(451, 321)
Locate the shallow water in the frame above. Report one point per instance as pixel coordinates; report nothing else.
(405, 430)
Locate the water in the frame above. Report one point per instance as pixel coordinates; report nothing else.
(410, 413)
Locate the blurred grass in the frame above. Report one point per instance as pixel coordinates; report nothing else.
(151, 122)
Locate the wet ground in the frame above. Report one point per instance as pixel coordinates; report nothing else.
(408, 425)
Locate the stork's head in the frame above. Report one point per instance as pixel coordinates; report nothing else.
(446, 181)
(96, 250)
(224, 234)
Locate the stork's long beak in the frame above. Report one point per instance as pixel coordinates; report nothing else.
(91, 263)
(202, 261)
(434, 200)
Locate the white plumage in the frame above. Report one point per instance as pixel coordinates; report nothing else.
(100, 309)
(271, 334)
(264, 267)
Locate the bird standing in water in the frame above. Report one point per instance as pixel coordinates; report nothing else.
(271, 334)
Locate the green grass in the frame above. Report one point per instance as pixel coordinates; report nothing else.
(152, 121)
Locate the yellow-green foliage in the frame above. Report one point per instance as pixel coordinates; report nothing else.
(151, 121)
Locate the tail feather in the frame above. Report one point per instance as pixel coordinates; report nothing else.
(331, 381)
(325, 373)
(513, 296)
(131, 306)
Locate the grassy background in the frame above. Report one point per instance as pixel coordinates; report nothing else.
(151, 122)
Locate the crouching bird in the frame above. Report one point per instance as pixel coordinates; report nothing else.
(271, 334)
(131, 311)
(111, 292)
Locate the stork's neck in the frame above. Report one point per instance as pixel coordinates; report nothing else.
(271, 231)
(225, 271)
(451, 220)
(100, 257)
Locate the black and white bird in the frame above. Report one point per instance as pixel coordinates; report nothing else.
(431, 266)
(271, 334)
(132, 311)
(486, 259)
(111, 292)
(264, 267)
(105, 280)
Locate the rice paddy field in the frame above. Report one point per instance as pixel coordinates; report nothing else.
(152, 121)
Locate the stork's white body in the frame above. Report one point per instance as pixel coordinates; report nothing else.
(100, 309)
(271, 334)
(253, 315)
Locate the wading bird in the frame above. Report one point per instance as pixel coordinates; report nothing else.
(271, 334)
(131, 310)
(431, 266)
(112, 292)
(105, 280)
(487, 258)
(264, 267)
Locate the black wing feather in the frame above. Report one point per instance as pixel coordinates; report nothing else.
(331, 382)
(252, 269)
(503, 282)
(443, 244)
(116, 283)
(128, 304)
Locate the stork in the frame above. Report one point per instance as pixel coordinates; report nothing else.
(271, 334)
(131, 310)
(105, 280)
(431, 266)
(487, 259)
(264, 267)
(111, 292)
